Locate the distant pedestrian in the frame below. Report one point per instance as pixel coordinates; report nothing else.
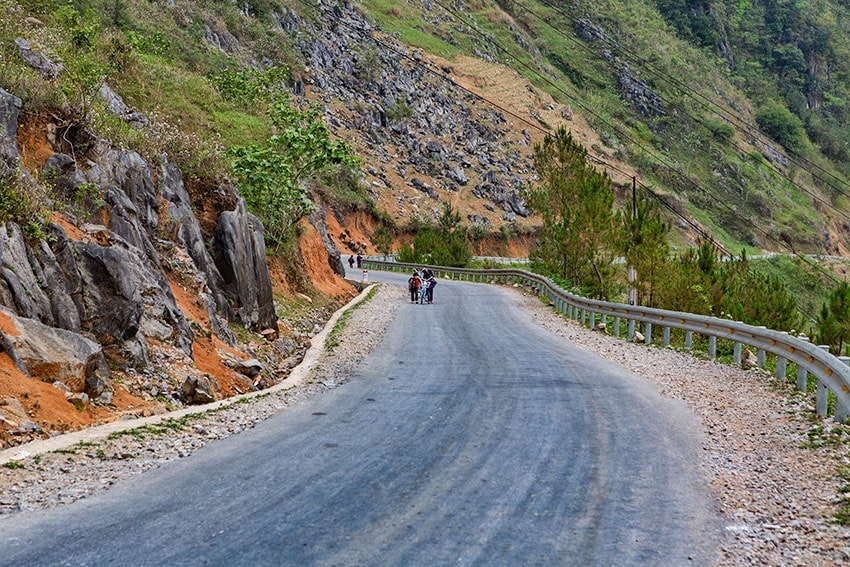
(413, 285)
(359, 260)
(430, 283)
(351, 262)
(423, 292)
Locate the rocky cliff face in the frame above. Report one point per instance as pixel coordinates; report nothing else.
(95, 298)
(427, 139)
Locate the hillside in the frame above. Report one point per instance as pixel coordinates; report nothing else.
(716, 138)
(135, 134)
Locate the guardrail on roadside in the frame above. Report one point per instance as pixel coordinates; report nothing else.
(832, 373)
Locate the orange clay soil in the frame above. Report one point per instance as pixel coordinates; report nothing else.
(48, 407)
(205, 351)
(359, 227)
(316, 261)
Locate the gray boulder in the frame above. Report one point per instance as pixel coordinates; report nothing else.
(52, 354)
(199, 389)
(240, 254)
(10, 107)
(184, 229)
(116, 105)
(249, 368)
(37, 60)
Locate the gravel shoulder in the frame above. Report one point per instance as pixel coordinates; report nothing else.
(777, 494)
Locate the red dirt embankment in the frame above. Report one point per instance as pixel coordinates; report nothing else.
(25, 399)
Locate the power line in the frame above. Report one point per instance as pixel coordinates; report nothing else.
(718, 202)
(696, 227)
(537, 127)
(737, 121)
(744, 125)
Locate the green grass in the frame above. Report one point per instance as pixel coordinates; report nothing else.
(333, 339)
(810, 287)
(165, 426)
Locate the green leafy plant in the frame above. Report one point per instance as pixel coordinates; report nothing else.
(383, 239)
(271, 175)
(20, 204)
(446, 244)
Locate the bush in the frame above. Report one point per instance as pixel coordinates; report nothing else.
(783, 126)
(20, 204)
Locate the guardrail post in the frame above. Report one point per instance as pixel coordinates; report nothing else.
(617, 326)
(780, 368)
(631, 331)
(822, 400)
(761, 357)
(841, 412)
(802, 373)
(689, 340)
(647, 339)
(712, 347)
(736, 353)
(592, 320)
(583, 317)
(666, 337)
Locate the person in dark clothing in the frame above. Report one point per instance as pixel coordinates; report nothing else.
(351, 262)
(430, 282)
(359, 260)
(413, 285)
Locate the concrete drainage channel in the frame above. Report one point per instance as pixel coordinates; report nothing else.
(297, 377)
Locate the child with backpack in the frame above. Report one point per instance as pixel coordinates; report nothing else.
(414, 283)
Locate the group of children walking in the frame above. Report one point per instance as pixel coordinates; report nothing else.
(421, 286)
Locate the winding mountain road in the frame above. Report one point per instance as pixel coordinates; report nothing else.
(470, 436)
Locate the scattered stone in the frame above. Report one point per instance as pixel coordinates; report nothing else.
(249, 368)
(749, 360)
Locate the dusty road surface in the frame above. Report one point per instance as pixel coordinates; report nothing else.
(470, 435)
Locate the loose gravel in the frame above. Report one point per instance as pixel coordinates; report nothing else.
(776, 489)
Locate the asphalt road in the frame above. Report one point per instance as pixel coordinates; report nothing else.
(469, 437)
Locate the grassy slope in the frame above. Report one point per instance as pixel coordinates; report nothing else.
(690, 152)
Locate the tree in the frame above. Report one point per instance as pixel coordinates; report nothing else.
(834, 319)
(783, 126)
(446, 244)
(644, 245)
(270, 176)
(575, 202)
(383, 239)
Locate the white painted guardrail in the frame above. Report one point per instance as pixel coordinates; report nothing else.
(832, 373)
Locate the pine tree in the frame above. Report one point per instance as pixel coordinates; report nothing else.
(575, 202)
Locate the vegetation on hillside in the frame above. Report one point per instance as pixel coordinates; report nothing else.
(666, 105)
(749, 146)
(582, 232)
(216, 116)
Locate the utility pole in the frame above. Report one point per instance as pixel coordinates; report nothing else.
(632, 272)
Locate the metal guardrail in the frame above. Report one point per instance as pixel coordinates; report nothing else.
(832, 373)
